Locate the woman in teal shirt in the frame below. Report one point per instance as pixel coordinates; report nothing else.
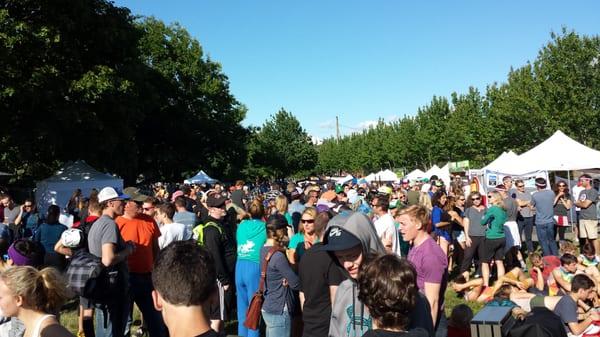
(493, 246)
(305, 237)
(251, 235)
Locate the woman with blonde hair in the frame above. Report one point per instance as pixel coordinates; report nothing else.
(305, 237)
(34, 297)
(495, 241)
(425, 200)
(281, 206)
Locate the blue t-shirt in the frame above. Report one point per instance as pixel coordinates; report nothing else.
(543, 201)
(48, 235)
(186, 218)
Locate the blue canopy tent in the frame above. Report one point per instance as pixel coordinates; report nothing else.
(200, 178)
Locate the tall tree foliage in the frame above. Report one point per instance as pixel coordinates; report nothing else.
(84, 80)
(560, 89)
(281, 148)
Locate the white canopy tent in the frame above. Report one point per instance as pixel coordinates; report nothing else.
(557, 153)
(200, 178)
(370, 177)
(343, 180)
(57, 190)
(504, 160)
(414, 175)
(386, 175)
(443, 173)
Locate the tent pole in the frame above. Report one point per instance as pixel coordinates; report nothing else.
(569, 185)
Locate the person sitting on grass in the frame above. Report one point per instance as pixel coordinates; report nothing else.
(541, 271)
(183, 297)
(474, 291)
(388, 288)
(560, 283)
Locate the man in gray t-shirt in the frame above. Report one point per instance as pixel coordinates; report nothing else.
(588, 216)
(543, 201)
(105, 241)
(526, 213)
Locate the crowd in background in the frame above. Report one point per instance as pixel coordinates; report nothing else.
(355, 259)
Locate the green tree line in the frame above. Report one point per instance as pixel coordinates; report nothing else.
(560, 89)
(131, 96)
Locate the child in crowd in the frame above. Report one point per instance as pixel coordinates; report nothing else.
(388, 288)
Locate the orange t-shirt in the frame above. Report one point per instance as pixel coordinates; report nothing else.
(144, 231)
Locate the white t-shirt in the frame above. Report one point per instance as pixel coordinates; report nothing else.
(384, 225)
(173, 232)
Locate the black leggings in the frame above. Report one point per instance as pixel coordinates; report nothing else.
(476, 249)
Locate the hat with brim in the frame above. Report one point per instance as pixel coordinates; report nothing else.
(134, 194)
(340, 239)
(109, 193)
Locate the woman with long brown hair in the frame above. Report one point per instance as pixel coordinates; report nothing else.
(280, 280)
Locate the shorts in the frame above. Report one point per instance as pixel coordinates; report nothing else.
(511, 232)
(537, 301)
(493, 249)
(443, 234)
(588, 229)
(461, 237)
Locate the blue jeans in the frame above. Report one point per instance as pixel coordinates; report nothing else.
(278, 325)
(116, 317)
(526, 227)
(140, 292)
(545, 234)
(247, 277)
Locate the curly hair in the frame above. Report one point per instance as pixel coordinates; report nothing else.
(388, 287)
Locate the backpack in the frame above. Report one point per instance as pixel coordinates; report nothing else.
(87, 276)
(198, 231)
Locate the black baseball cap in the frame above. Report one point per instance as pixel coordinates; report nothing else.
(340, 239)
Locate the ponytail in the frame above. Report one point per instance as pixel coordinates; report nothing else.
(55, 286)
(43, 291)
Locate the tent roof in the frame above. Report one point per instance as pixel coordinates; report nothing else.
(200, 178)
(557, 153)
(344, 180)
(78, 171)
(386, 175)
(415, 174)
(505, 159)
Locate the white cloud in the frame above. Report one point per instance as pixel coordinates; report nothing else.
(327, 125)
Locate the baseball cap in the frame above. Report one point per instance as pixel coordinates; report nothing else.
(71, 238)
(215, 200)
(109, 193)
(339, 188)
(135, 194)
(340, 239)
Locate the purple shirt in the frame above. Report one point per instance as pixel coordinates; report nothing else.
(431, 264)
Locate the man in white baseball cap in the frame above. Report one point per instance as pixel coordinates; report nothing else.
(105, 241)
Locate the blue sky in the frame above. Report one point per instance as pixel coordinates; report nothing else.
(364, 60)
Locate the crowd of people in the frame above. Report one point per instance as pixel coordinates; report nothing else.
(329, 260)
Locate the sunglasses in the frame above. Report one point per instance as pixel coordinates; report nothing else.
(475, 199)
(519, 186)
(307, 220)
(489, 196)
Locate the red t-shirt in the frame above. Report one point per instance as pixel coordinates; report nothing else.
(550, 263)
(144, 231)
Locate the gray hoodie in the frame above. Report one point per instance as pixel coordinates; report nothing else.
(349, 316)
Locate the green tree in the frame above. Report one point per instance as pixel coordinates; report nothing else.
(281, 148)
